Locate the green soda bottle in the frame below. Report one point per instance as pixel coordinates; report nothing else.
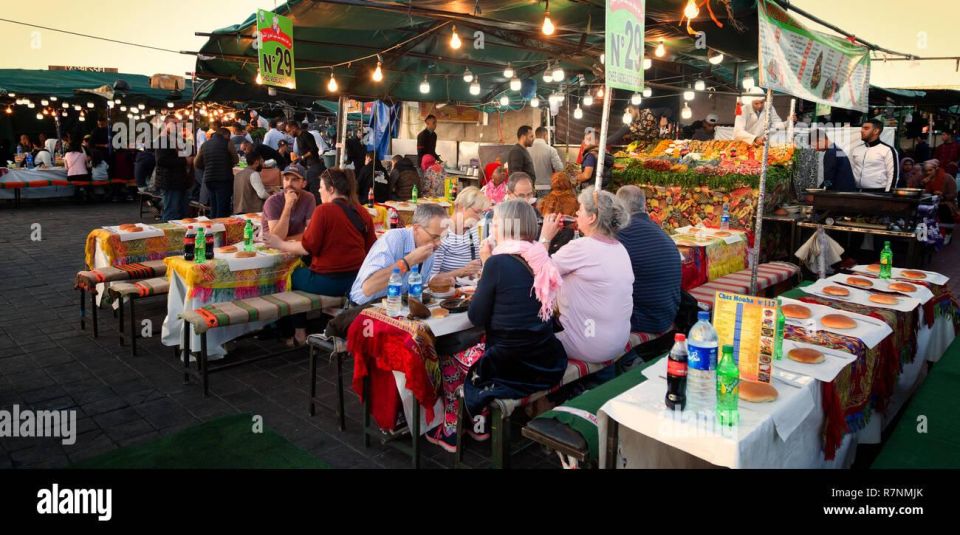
(248, 236)
(886, 261)
(778, 336)
(414, 194)
(200, 249)
(728, 388)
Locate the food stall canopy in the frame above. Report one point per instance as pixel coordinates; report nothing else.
(67, 84)
(332, 32)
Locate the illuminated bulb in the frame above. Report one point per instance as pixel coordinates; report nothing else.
(534, 102)
(558, 74)
(31, 105)
(600, 92)
(110, 104)
(627, 118)
(691, 11)
(661, 50)
(467, 75)
(39, 116)
(169, 104)
(508, 72)
(12, 95)
(63, 113)
(700, 85)
(90, 104)
(688, 95)
(475, 87)
(603, 58)
(52, 99)
(547, 24)
(425, 86)
(332, 84)
(578, 113)
(515, 84)
(716, 59)
(44, 102)
(259, 79)
(635, 99)
(504, 100)
(548, 76)
(748, 83)
(45, 112)
(647, 63)
(129, 116)
(588, 100)
(153, 112)
(455, 39)
(141, 106)
(647, 92)
(9, 110)
(116, 101)
(122, 108)
(82, 118)
(65, 105)
(77, 108)
(686, 113)
(378, 73)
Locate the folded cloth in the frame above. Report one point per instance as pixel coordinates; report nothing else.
(819, 247)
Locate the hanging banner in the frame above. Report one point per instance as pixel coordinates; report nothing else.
(811, 65)
(275, 49)
(623, 52)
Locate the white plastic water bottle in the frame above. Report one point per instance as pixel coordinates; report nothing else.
(725, 218)
(415, 284)
(394, 289)
(702, 347)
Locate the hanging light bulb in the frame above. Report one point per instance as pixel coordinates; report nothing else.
(647, 63)
(169, 104)
(467, 75)
(647, 92)
(12, 95)
(548, 75)
(588, 100)
(691, 10)
(425, 85)
(547, 23)
(82, 118)
(116, 101)
(44, 102)
(31, 105)
(45, 112)
(122, 108)
(65, 105)
(259, 79)
(627, 118)
(661, 50)
(332, 84)
(455, 39)
(153, 112)
(504, 101)
(508, 72)
(636, 99)
(90, 104)
(715, 59)
(63, 113)
(52, 99)
(700, 85)
(748, 82)
(600, 92)
(39, 116)
(515, 84)
(110, 104)
(9, 110)
(141, 106)
(378, 73)
(688, 95)
(686, 113)
(475, 87)
(578, 113)
(534, 102)
(558, 74)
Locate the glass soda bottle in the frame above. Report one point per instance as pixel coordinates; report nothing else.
(886, 261)
(188, 243)
(778, 335)
(248, 236)
(415, 194)
(676, 397)
(728, 388)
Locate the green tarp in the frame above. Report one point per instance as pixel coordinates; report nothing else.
(64, 84)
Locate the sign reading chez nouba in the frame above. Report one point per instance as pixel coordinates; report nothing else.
(623, 50)
(275, 50)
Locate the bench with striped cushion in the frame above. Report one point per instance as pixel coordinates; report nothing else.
(264, 308)
(88, 280)
(768, 276)
(142, 288)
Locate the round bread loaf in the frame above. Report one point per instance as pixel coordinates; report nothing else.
(836, 290)
(799, 312)
(838, 321)
(902, 287)
(859, 281)
(805, 355)
(884, 299)
(757, 392)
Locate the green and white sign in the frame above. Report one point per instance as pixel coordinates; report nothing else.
(275, 50)
(811, 65)
(623, 53)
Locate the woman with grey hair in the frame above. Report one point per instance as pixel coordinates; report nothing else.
(596, 300)
(459, 251)
(514, 303)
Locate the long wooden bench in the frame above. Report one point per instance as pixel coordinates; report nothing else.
(132, 291)
(769, 276)
(86, 282)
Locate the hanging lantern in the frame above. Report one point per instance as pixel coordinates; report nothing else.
(508, 72)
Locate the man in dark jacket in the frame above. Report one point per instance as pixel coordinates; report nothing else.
(217, 159)
(367, 177)
(171, 178)
(427, 139)
(309, 157)
(837, 171)
(519, 160)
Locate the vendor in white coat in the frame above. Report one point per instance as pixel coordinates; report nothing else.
(749, 125)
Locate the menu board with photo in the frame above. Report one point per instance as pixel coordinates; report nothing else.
(748, 324)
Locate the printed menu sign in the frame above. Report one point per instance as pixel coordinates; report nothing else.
(811, 65)
(748, 324)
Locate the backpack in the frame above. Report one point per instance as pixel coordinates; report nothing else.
(607, 171)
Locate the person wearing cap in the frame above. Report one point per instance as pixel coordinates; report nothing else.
(750, 123)
(286, 213)
(708, 130)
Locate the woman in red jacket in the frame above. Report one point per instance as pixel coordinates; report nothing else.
(337, 239)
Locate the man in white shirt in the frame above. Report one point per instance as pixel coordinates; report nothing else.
(749, 125)
(274, 135)
(876, 167)
(258, 121)
(546, 161)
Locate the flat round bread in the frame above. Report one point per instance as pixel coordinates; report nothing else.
(439, 312)
(721, 234)
(838, 321)
(805, 355)
(227, 249)
(884, 299)
(836, 290)
(859, 281)
(757, 392)
(253, 215)
(246, 254)
(189, 220)
(799, 312)
(873, 268)
(902, 287)
(911, 274)
(131, 228)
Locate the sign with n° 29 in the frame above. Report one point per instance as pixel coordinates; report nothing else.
(623, 49)
(275, 50)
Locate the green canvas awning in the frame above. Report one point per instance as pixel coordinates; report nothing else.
(66, 84)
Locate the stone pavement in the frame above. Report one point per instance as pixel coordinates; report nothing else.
(47, 362)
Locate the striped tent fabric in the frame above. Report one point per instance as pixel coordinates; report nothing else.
(264, 308)
(142, 288)
(769, 274)
(88, 280)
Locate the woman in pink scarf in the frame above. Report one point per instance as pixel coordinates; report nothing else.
(433, 176)
(514, 303)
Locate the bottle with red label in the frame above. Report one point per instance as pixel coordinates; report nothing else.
(676, 398)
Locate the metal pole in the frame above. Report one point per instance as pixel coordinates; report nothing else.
(758, 228)
(604, 123)
(342, 129)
